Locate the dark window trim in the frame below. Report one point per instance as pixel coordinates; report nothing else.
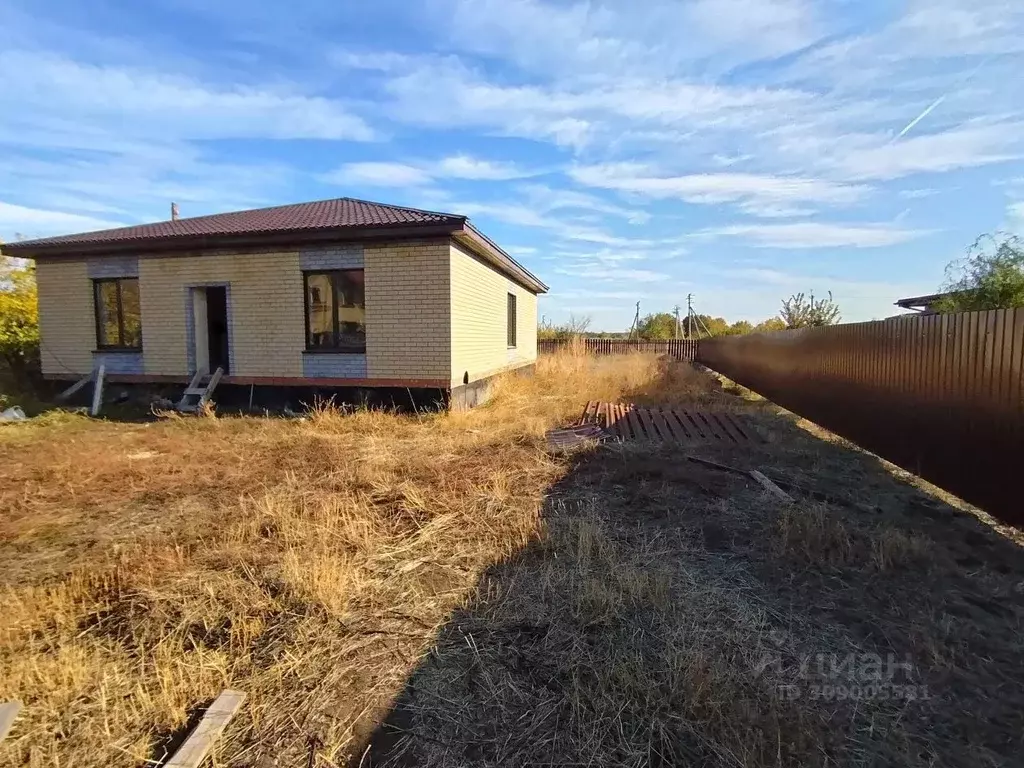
(511, 320)
(336, 350)
(121, 347)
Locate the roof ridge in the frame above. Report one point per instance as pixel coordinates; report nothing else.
(399, 207)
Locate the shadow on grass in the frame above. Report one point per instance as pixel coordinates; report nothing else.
(670, 614)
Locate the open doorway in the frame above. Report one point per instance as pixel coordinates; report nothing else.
(210, 308)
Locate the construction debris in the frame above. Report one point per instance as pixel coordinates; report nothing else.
(573, 436)
(199, 743)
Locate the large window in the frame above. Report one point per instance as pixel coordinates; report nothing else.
(335, 311)
(118, 313)
(511, 320)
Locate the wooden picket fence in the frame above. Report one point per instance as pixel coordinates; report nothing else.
(680, 349)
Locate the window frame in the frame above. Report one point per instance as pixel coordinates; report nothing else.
(120, 346)
(335, 321)
(511, 320)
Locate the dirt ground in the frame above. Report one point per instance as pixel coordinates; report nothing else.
(672, 614)
(443, 591)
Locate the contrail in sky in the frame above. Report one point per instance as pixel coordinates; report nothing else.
(931, 107)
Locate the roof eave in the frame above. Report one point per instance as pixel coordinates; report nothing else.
(484, 246)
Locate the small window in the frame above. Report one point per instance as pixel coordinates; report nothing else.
(118, 313)
(335, 311)
(511, 320)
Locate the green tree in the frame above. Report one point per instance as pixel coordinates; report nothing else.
(800, 311)
(19, 316)
(574, 326)
(771, 324)
(991, 276)
(660, 325)
(739, 328)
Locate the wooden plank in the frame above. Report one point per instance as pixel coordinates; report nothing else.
(744, 431)
(726, 427)
(664, 426)
(645, 420)
(76, 386)
(634, 424)
(682, 428)
(210, 387)
(623, 423)
(97, 393)
(590, 412)
(699, 430)
(199, 743)
(709, 429)
(771, 487)
(8, 712)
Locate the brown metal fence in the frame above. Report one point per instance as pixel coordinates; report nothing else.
(940, 395)
(681, 349)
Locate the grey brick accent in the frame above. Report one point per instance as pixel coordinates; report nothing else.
(331, 257)
(118, 362)
(114, 266)
(322, 365)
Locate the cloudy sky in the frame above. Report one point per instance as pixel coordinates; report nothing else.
(738, 150)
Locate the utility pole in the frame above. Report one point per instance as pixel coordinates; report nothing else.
(636, 323)
(675, 309)
(689, 314)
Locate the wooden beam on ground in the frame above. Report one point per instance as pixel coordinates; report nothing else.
(8, 712)
(97, 393)
(771, 487)
(76, 386)
(199, 743)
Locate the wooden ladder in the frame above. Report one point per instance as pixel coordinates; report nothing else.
(197, 389)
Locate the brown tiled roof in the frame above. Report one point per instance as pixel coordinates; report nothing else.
(340, 213)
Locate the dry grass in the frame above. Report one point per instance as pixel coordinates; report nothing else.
(613, 606)
(310, 563)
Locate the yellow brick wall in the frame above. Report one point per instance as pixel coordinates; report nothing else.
(408, 330)
(67, 324)
(479, 316)
(265, 310)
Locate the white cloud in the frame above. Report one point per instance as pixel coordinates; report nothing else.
(617, 274)
(378, 175)
(612, 38)
(56, 94)
(34, 222)
(963, 147)
(919, 194)
(394, 174)
(772, 196)
(466, 167)
(815, 235)
(548, 199)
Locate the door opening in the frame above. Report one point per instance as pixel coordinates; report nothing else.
(210, 316)
(217, 327)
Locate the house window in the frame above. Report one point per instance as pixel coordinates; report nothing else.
(118, 313)
(335, 311)
(511, 320)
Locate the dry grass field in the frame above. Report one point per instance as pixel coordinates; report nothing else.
(441, 590)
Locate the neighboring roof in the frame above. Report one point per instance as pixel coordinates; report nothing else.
(920, 301)
(299, 222)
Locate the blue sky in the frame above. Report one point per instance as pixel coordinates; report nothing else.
(739, 150)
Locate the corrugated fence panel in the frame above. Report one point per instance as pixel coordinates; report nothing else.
(941, 396)
(681, 349)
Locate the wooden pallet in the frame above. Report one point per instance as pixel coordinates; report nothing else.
(674, 425)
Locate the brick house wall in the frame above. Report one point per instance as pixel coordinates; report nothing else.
(479, 328)
(434, 313)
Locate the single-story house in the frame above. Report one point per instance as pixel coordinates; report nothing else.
(332, 294)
